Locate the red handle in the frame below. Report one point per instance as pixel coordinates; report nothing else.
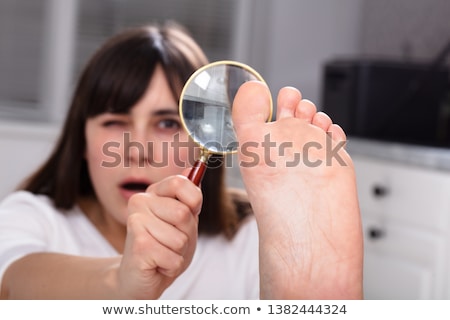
(197, 172)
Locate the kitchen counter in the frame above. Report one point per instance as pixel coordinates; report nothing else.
(415, 155)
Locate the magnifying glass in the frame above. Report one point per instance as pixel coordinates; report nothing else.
(205, 109)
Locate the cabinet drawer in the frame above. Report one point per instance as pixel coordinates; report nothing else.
(373, 185)
(404, 263)
(411, 195)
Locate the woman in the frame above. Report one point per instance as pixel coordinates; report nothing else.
(128, 94)
(102, 218)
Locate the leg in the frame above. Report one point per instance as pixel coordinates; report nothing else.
(301, 184)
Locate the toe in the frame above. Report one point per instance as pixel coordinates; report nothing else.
(322, 120)
(251, 106)
(287, 101)
(306, 110)
(337, 133)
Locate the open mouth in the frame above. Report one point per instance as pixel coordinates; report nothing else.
(135, 186)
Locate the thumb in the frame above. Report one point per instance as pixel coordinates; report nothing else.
(196, 178)
(252, 105)
(186, 172)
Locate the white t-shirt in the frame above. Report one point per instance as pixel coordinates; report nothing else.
(220, 269)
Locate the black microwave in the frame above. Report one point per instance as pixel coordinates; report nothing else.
(388, 100)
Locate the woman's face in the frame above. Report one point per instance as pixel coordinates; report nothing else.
(128, 152)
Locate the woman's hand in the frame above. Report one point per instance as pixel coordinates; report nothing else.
(162, 232)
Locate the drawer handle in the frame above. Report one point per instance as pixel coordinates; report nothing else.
(375, 233)
(380, 191)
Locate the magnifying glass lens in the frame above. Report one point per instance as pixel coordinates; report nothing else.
(206, 103)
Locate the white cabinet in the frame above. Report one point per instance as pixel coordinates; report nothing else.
(405, 212)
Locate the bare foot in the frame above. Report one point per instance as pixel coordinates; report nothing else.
(302, 187)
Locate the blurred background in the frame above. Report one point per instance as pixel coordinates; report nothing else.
(348, 56)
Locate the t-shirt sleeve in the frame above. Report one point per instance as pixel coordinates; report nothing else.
(24, 226)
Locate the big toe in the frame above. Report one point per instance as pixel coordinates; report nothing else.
(252, 106)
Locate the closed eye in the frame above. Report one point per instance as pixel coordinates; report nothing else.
(111, 123)
(114, 122)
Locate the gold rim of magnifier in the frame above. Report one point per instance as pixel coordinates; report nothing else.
(192, 77)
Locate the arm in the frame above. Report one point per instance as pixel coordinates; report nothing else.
(160, 243)
(58, 276)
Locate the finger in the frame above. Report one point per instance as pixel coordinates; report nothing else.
(287, 101)
(164, 213)
(165, 233)
(147, 248)
(186, 172)
(181, 188)
(172, 222)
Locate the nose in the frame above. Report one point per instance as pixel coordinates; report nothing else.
(136, 149)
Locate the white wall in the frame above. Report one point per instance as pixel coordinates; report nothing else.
(420, 35)
(293, 38)
(23, 147)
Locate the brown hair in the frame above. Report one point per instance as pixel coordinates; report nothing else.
(114, 80)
